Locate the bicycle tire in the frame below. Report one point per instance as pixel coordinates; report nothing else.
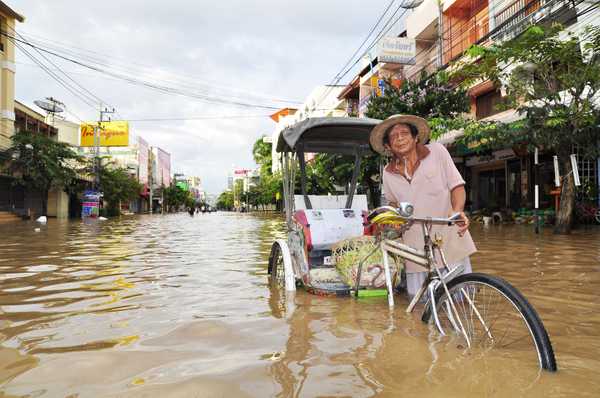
(537, 330)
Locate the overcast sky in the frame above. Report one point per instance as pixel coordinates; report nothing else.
(257, 52)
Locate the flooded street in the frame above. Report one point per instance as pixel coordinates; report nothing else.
(180, 306)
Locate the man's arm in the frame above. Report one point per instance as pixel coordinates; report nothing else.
(458, 196)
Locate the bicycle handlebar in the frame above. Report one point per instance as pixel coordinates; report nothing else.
(398, 214)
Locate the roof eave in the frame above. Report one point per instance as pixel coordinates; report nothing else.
(10, 12)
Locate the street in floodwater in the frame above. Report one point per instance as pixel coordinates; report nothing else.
(180, 306)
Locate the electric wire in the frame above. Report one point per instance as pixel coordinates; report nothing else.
(382, 32)
(365, 40)
(191, 118)
(55, 77)
(89, 93)
(144, 69)
(148, 84)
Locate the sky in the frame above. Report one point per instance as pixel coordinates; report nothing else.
(261, 53)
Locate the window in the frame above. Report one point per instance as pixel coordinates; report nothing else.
(487, 104)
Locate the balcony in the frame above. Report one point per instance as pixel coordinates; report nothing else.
(464, 23)
(513, 19)
(426, 61)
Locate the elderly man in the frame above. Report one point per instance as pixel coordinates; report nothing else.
(425, 176)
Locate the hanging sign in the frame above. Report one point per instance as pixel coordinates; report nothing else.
(397, 50)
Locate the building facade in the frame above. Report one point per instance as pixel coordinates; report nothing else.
(8, 20)
(442, 32)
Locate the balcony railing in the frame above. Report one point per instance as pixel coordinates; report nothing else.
(517, 16)
(425, 61)
(460, 33)
(524, 7)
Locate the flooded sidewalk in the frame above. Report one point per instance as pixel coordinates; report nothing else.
(179, 306)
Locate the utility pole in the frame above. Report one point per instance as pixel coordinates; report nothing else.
(97, 130)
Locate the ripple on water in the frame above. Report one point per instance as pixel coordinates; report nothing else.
(170, 305)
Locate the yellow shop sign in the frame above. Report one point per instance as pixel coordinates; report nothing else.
(114, 133)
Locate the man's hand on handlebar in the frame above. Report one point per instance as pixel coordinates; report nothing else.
(462, 224)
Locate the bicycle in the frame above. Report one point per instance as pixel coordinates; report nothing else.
(483, 310)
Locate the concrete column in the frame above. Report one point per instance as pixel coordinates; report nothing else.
(58, 204)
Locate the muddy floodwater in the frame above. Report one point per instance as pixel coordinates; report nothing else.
(180, 306)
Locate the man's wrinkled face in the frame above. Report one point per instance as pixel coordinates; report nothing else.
(401, 140)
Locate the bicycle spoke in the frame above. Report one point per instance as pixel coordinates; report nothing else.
(488, 319)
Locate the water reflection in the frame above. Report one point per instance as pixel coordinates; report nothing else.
(180, 306)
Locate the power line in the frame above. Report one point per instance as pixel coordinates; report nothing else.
(89, 93)
(140, 82)
(184, 118)
(382, 32)
(365, 39)
(54, 76)
(240, 93)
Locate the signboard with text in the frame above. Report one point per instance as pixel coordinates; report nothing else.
(241, 172)
(90, 204)
(397, 50)
(111, 133)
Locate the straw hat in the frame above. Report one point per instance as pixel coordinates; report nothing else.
(376, 137)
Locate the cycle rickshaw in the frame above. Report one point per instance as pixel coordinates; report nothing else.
(482, 311)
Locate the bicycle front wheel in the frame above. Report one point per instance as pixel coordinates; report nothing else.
(491, 314)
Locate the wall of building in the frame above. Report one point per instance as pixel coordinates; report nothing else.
(68, 132)
(7, 83)
(58, 204)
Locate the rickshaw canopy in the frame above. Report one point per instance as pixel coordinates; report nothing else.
(341, 135)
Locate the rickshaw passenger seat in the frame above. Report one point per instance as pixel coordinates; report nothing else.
(325, 227)
(321, 202)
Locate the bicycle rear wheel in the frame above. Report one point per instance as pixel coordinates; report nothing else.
(494, 315)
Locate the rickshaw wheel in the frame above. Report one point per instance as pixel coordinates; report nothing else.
(276, 266)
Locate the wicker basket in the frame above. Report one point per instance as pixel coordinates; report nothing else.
(348, 253)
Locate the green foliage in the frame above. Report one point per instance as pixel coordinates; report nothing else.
(225, 200)
(264, 191)
(117, 186)
(261, 152)
(175, 197)
(40, 163)
(435, 97)
(552, 77)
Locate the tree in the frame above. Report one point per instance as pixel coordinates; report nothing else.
(175, 197)
(261, 152)
(117, 186)
(238, 192)
(40, 163)
(225, 201)
(434, 98)
(269, 184)
(552, 78)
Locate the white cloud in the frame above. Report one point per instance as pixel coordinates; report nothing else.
(274, 49)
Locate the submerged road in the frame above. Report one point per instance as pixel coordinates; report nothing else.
(180, 306)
